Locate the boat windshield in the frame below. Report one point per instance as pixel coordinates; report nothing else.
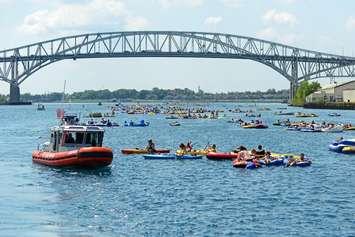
(73, 138)
(78, 138)
(94, 138)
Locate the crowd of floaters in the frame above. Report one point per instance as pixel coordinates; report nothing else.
(241, 157)
(84, 150)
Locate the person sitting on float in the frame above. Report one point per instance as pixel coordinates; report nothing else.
(256, 162)
(213, 148)
(189, 146)
(243, 154)
(182, 147)
(267, 158)
(302, 159)
(260, 152)
(293, 161)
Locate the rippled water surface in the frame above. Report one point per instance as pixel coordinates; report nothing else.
(137, 197)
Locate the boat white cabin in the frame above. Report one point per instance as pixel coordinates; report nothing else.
(73, 137)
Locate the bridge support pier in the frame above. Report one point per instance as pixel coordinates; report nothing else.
(293, 90)
(293, 81)
(14, 85)
(14, 93)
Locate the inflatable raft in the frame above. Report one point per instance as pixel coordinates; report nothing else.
(221, 155)
(344, 146)
(255, 126)
(240, 164)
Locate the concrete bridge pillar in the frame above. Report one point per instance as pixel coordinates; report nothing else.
(14, 93)
(293, 90)
(14, 86)
(293, 81)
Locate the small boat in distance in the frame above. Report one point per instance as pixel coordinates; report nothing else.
(334, 114)
(141, 123)
(40, 107)
(175, 124)
(74, 146)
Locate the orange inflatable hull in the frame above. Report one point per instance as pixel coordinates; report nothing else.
(83, 157)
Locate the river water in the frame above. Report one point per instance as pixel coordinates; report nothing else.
(137, 197)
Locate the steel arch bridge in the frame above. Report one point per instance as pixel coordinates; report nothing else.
(295, 64)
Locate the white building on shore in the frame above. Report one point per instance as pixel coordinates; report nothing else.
(344, 92)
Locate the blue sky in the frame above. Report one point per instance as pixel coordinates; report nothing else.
(313, 24)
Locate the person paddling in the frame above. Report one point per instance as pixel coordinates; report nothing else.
(151, 147)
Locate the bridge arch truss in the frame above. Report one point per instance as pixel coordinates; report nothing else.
(295, 64)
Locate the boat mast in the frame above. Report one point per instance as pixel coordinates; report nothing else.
(63, 97)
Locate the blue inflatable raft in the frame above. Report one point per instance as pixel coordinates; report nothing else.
(343, 146)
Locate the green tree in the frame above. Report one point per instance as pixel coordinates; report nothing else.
(304, 89)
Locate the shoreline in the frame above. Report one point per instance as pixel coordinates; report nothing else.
(261, 101)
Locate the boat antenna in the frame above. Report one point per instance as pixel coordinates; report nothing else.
(63, 96)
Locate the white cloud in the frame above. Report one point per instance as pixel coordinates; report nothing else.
(270, 33)
(232, 3)
(74, 17)
(267, 33)
(213, 20)
(136, 23)
(279, 17)
(350, 23)
(181, 3)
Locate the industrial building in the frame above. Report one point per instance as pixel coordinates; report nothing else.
(344, 92)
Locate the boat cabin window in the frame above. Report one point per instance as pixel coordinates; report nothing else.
(54, 140)
(94, 138)
(73, 138)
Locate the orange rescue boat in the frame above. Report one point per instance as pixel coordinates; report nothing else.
(77, 146)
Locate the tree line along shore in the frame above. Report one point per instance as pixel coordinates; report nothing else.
(155, 94)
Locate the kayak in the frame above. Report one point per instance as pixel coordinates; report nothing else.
(171, 157)
(256, 126)
(160, 157)
(350, 128)
(131, 151)
(221, 155)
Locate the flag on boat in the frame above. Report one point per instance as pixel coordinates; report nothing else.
(60, 113)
